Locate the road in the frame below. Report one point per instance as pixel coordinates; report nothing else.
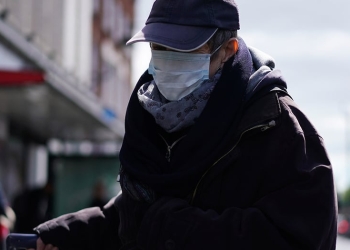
(343, 243)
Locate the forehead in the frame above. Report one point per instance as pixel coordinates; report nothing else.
(203, 49)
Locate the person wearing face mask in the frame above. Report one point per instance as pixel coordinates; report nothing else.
(216, 153)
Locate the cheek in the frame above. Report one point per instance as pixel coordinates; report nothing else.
(214, 66)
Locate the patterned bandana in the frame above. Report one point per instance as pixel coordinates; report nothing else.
(173, 116)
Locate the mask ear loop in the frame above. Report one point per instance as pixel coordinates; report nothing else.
(216, 50)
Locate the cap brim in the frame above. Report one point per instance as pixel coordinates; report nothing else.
(174, 36)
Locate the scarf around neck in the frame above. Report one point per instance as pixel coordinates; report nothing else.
(173, 116)
(143, 151)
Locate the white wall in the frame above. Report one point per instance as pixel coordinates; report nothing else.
(77, 42)
(37, 169)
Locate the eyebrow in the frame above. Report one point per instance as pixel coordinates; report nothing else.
(157, 46)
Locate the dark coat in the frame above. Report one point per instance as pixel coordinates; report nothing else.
(269, 185)
(272, 190)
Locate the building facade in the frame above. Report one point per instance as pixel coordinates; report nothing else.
(64, 85)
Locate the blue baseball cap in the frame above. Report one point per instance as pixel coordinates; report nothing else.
(186, 25)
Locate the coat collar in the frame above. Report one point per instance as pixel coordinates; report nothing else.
(261, 111)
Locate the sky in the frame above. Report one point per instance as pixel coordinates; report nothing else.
(310, 42)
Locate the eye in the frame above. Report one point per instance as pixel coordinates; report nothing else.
(155, 46)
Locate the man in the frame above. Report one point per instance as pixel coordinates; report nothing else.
(216, 154)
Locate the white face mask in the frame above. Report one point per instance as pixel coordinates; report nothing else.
(178, 74)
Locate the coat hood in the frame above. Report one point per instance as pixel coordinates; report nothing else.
(264, 73)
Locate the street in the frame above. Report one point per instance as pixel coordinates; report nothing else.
(343, 243)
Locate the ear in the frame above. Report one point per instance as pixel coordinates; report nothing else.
(231, 48)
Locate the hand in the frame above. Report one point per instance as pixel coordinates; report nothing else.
(40, 245)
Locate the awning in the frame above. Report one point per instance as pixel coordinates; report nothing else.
(43, 99)
(31, 103)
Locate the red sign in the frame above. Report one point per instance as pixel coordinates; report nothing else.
(22, 77)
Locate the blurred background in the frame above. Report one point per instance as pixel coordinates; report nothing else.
(66, 77)
(65, 81)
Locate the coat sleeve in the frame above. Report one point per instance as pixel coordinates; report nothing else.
(90, 228)
(295, 215)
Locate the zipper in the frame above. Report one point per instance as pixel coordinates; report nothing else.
(263, 127)
(170, 147)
